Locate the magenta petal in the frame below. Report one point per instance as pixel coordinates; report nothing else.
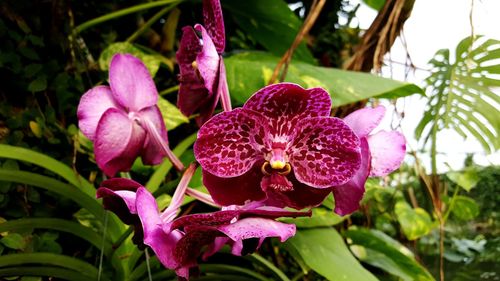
(387, 150)
(257, 228)
(161, 242)
(236, 190)
(192, 91)
(230, 143)
(131, 83)
(118, 142)
(213, 20)
(302, 196)
(207, 110)
(290, 101)
(92, 106)
(364, 120)
(152, 153)
(348, 195)
(325, 152)
(208, 61)
(189, 247)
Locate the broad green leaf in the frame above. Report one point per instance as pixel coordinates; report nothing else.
(380, 250)
(415, 223)
(248, 72)
(152, 62)
(172, 116)
(462, 95)
(466, 179)
(14, 241)
(320, 217)
(38, 85)
(48, 271)
(465, 208)
(271, 23)
(325, 252)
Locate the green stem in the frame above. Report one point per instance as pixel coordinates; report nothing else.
(169, 90)
(452, 203)
(150, 22)
(223, 268)
(271, 266)
(121, 13)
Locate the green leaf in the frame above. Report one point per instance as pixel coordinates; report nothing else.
(462, 93)
(266, 21)
(465, 208)
(14, 241)
(414, 222)
(380, 250)
(375, 4)
(466, 179)
(152, 62)
(325, 252)
(320, 217)
(172, 116)
(248, 72)
(48, 271)
(38, 85)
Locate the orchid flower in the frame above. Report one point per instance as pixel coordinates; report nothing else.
(282, 146)
(177, 242)
(381, 154)
(202, 71)
(123, 119)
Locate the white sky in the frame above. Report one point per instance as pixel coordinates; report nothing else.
(434, 25)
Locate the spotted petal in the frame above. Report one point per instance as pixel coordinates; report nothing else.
(118, 142)
(131, 83)
(348, 195)
(387, 150)
(288, 101)
(92, 106)
(325, 152)
(363, 121)
(230, 143)
(214, 22)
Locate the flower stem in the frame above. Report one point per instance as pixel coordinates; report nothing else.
(150, 22)
(155, 135)
(225, 98)
(178, 196)
(121, 13)
(201, 196)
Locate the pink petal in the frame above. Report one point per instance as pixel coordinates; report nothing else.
(118, 142)
(213, 248)
(325, 152)
(161, 242)
(208, 108)
(257, 228)
(387, 150)
(230, 143)
(208, 61)
(92, 106)
(152, 153)
(289, 102)
(348, 195)
(213, 20)
(131, 83)
(235, 190)
(363, 121)
(192, 91)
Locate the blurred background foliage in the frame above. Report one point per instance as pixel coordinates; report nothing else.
(51, 225)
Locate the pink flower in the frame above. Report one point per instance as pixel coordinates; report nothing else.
(202, 72)
(282, 146)
(381, 153)
(123, 119)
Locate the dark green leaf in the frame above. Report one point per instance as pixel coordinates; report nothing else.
(248, 72)
(414, 222)
(38, 85)
(271, 23)
(380, 250)
(324, 251)
(320, 217)
(14, 241)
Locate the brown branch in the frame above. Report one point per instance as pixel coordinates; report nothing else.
(316, 7)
